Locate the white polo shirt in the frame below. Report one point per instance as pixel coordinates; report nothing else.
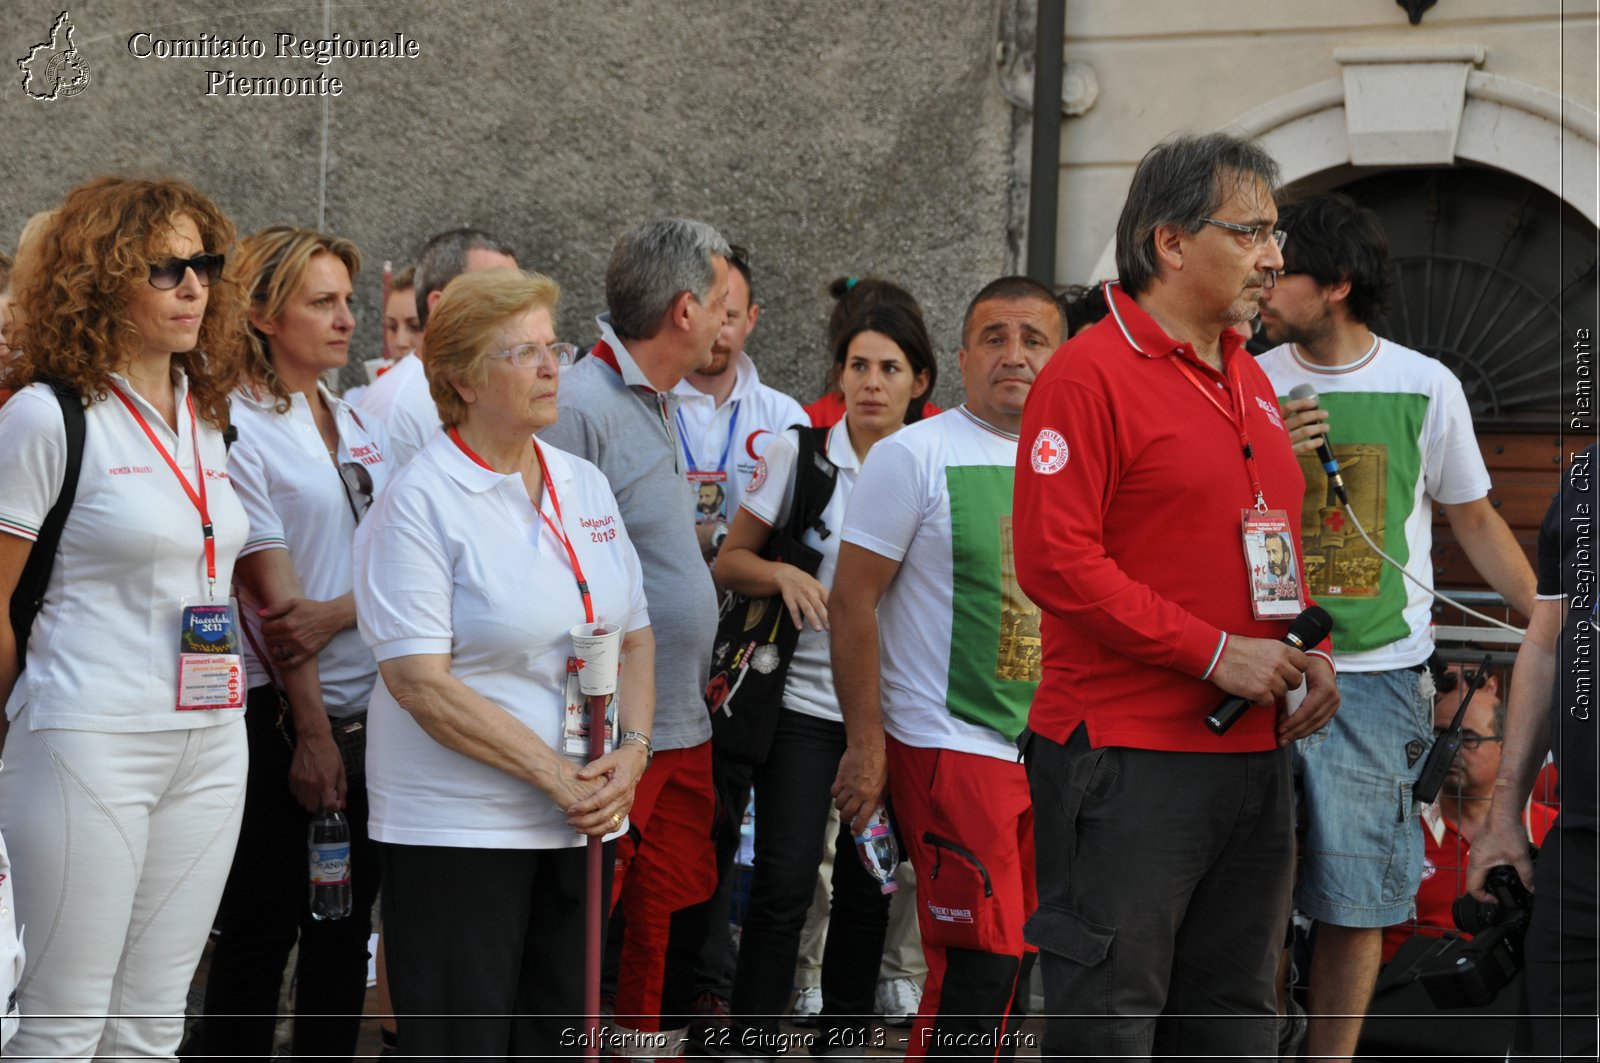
(453, 558)
(743, 426)
(402, 401)
(809, 688)
(299, 500)
(103, 655)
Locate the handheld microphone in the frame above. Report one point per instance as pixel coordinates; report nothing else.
(1330, 464)
(1445, 747)
(1308, 629)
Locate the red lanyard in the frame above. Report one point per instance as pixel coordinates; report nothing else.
(197, 497)
(1235, 417)
(555, 526)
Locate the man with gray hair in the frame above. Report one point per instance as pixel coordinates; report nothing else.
(400, 397)
(1164, 851)
(666, 294)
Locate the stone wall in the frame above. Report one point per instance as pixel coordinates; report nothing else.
(1168, 65)
(828, 136)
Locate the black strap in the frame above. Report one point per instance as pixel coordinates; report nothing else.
(814, 480)
(28, 597)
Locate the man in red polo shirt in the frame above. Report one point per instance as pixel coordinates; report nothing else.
(1152, 469)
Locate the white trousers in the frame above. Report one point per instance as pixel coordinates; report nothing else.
(120, 845)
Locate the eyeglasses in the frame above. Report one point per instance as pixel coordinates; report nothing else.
(529, 355)
(739, 256)
(1257, 233)
(1470, 739)
(1446, 682)
(164, 276)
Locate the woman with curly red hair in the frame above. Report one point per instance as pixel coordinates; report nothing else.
(125, 758)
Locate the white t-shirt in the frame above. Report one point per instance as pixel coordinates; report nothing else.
(453, 558)
(103, 654)
(297, 500)
(743, 426)
(809, 688)
(1402, 431)
(953, 624)
(401, 400)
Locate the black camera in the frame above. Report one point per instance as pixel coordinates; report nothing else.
(1470, 974)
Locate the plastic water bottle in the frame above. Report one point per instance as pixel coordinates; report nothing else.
(880, 853)
(328, 851)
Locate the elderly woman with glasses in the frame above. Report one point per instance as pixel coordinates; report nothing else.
(125, 760)
(487, 550)
(307, 467)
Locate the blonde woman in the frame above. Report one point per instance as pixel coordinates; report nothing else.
(471, 571)
(307, 468)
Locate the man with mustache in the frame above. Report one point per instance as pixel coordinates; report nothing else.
(926, 587)
(1151, 451)
(1406, 415)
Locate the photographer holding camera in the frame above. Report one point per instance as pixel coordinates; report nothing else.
(1552, 707)
(1461, 814)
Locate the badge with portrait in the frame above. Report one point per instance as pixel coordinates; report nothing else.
(210, 668)
(710, 496)
(575, 721)
(1271, 562)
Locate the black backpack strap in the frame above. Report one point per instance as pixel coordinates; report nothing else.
(28, 598)
(814, 480)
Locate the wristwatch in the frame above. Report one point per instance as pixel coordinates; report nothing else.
(643, 739)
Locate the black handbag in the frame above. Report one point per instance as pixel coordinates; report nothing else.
(755, 636)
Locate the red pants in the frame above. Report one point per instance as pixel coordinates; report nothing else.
(967, 822)
(672, 865)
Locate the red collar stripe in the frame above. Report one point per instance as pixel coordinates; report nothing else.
(557, 528)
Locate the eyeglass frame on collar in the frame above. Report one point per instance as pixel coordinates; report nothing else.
(1279, 236)
(561, 353)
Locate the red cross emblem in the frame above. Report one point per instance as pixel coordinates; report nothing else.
(1049, 454)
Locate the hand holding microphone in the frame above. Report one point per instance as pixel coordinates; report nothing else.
(1311, 416)
(1308, 629)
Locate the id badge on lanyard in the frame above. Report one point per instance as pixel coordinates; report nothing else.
(1274, 569)
(1266, 537)
(210, 667)
(710, 486)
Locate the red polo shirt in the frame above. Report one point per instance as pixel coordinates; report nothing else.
(1129, 491)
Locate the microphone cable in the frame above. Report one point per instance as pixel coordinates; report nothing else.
(1437, 594)
(1330, 466)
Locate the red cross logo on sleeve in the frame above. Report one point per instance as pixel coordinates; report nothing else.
(1049, 454)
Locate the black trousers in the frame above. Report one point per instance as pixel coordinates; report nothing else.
(1562, 953)
(1163, 893)
(792, 799)
(485, 949)
(266, 907)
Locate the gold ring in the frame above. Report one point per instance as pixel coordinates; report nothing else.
(616, 821)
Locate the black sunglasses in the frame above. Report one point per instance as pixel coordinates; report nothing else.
(1447, 681)
(167, 275)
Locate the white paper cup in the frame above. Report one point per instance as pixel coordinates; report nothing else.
(598, 648)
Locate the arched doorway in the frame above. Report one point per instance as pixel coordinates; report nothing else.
(1493, 276)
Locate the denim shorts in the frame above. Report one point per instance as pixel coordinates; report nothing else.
(1363, 851)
